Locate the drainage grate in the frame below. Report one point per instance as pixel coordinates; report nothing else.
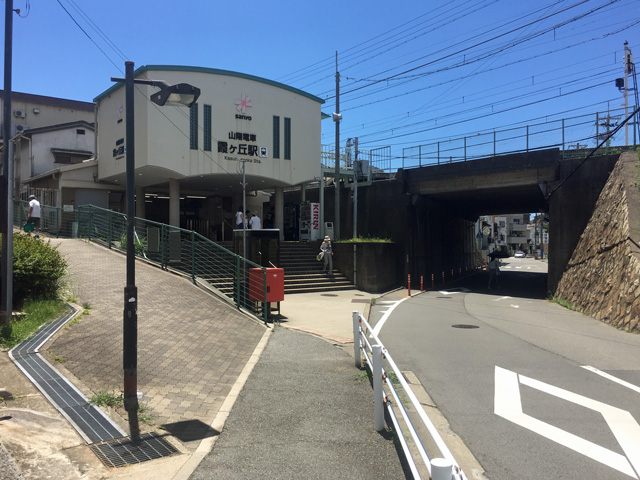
(465, 326)
(89, 421)
(128, 452)
(328, 294)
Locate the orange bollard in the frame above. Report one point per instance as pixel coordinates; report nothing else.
(409, 284)
(421, 283)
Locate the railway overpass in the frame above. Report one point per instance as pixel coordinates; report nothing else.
(429, 212)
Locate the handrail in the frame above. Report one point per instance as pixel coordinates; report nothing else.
(185, 251)
(373, 354)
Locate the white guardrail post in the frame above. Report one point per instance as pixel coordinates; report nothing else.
(441, 469)
(378, 393)
(357, 340)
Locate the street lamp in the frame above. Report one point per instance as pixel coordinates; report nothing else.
(183, 95)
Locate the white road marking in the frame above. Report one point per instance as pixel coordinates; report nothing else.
(508, 405)
(612, 378)
(386, 302)
(379, 325)
(500, 298)
(515, 306)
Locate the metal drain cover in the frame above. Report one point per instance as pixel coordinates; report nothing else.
(461, 325)
(125, 451)
(328, 294)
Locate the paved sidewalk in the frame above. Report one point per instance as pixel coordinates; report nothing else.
(304, 398)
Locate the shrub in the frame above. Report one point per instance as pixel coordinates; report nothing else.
(38, 269)
(365, 240)
(139, 245)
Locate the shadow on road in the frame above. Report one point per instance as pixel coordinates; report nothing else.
(512, 283)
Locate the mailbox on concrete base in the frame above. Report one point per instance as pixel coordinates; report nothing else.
(274, 284)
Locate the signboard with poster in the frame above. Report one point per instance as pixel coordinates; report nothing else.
(315, 221)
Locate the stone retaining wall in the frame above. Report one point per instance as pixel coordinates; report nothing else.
(602, 279)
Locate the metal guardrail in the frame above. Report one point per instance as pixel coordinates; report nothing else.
(185, 251)
(366, 344)
(574, 136)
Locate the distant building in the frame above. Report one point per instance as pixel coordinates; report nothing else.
(53, 139)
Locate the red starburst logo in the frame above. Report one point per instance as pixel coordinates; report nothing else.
(243, 103)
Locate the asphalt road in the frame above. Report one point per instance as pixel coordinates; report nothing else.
(506, 367)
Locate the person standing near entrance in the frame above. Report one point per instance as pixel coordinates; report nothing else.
(34, 214)
(255, 222)
(327, 255)
(239, 219)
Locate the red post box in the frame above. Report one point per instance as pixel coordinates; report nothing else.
(275, 284)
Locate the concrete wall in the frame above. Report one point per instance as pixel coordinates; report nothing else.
(377, 265)
(602, 277)
(570, 208)
(41, 111)
(428, 239)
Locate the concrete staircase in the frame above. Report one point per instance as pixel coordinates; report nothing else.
(303, 273)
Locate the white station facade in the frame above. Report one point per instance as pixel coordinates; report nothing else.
(189, 161)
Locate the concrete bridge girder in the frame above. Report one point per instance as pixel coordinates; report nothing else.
(506, 184)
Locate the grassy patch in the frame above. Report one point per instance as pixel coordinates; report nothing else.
(37, 313)
(564, 303)
(106, 399)
(365, 240)
(58, 359)
(116, 400)
(362, 376)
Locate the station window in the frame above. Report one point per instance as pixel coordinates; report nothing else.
(207, 128)
(276, 136)
(287, 138)
(193, 127)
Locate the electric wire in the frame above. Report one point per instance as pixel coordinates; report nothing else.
(611, 134)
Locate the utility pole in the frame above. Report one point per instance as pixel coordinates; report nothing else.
(336, 181)
(6, 182)
(628, 62)
(355, 189)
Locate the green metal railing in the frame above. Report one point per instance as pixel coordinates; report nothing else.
(52, 219)
(185, 251)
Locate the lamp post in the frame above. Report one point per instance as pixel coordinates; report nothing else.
(178, 95)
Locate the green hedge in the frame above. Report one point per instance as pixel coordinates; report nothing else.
(38, 269)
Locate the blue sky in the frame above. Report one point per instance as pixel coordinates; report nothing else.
(412, 73)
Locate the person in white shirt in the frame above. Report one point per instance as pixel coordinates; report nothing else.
(254, 221)
(239, 219)
(34, 214)
(327, 255)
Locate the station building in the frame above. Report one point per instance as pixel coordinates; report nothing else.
(246, 137)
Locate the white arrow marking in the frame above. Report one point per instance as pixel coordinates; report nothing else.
(507, 404)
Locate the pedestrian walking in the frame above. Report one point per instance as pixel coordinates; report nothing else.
(239, 219)
(247, 219)
(494, 272)
(34, 214)
(327, 255)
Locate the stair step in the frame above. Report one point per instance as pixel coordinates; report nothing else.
(322, 288)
